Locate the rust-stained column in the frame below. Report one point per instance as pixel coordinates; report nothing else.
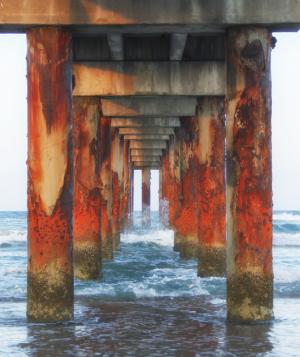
(106, 189)
(87, 196)
(121, 179)
(50, 176)
(186, 223)
(126, 185)
(131, 196)
(172, 184)
(249, 175)
(212, 206)
(116, 167)
(146, 180)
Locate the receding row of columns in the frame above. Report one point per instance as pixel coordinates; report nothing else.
(80, 180)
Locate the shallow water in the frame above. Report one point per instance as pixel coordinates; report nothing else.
(150, 303)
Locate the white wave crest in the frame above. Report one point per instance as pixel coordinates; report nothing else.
(286, 239)
(285, 216)
(8, 236)
(161, 237)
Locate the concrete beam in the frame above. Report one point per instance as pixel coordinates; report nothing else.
(144, 123)
(146, 131)
(151, 165)
(115, 42)
(146, 152)
(146, 137)
(149, 107)
(178, 41)
(18, 15)
(149, 78)
(149, 144)
(145, 158)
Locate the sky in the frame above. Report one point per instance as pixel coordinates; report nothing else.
(285, 125)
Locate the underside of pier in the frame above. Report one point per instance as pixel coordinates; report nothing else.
(182, 86)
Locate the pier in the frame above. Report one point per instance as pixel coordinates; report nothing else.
(182, 86)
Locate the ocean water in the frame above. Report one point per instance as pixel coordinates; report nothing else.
(150, 303)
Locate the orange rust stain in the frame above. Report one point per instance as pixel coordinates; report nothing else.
(250, 171)
(115, 203)
(254, 187)
(126, 183)
(105, 178)
(171, 188)
(87, 195)
(212, 205)
(186, 222)
(49, 122)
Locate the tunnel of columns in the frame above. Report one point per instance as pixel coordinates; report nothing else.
(109, 93)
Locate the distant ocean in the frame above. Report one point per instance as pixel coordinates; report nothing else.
(150, 303)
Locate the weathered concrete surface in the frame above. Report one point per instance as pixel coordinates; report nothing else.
(145, 123)
(106, 188)
(146, 137)
(153, 130)
(126, 185)
(121, 181)
(197, 14)
(149, 106)
(149, 78)
(116, 46)
(171, 183)
(146, 152)
(146, 181)
(211, 204)
(50, 176)
(177, 45)
(148, 144)
(136, 158)
(249, 176)
(186, 222)
(150, 163)
(87, 195)
(117, 172)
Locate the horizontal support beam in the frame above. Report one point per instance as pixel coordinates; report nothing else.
(149, 78)
(151, 165)
(178, 42)
(22, 14)
(146, 131)
(146, 163)
(149, 106)
(154, 144)
(115, 42)
(146, 137)
(145, 122)
(146, 152)
(145, 158)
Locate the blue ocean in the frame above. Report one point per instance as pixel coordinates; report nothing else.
(150, 303)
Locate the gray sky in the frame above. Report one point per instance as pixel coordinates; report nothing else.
(285, 122)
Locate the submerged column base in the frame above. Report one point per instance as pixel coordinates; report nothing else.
(249, 297)
(87, 262)
(187, 246)
(212, 261)
(116, 240)
(50, 296)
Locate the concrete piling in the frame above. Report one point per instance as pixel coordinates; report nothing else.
(186, 222)
(116, 168)
(106, 189)
(249, 176)
(87, 193)
(50, 176)
(146, 180)
(211, 204)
